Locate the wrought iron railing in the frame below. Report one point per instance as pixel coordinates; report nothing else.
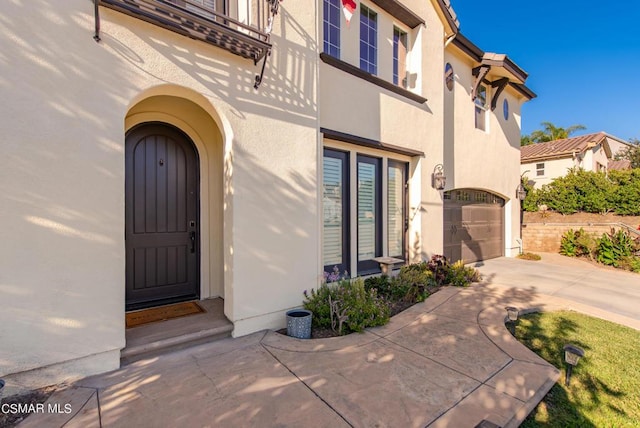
(242, 27)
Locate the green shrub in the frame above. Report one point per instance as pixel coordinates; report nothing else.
(614, 247)
(346, 306)
(577, 243)
(460, 275)
(579, 190)
(568, 244)
(631, 263)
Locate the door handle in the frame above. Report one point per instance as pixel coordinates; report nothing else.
(192, 236)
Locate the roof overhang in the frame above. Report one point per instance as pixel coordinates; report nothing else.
(399, 11)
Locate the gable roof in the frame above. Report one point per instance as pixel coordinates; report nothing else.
(563, 148)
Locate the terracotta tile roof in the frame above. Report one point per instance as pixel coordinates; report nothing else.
(560, 148)
(619, 164)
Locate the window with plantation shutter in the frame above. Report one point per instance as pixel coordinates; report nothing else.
(396, 208)
(335, 210)
(369, 214)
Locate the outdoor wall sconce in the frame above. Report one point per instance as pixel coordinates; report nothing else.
(512, 316)
(521, 192)
(572, 355)
(438, 178)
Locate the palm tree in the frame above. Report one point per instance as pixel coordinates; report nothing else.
(549, 132)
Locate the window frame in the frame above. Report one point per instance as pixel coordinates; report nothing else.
(540, 169)
(369, 266)
(329, 46)
(404, 168)
(345, 215)
(481, 107)
(368, 29)
(351, 154)
(400, 57)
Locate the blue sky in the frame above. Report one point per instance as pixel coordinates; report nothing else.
(583, 58)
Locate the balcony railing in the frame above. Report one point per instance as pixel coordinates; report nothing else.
(239, 26)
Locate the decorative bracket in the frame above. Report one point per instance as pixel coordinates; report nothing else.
(274, 5)
(500, 84)
(480, 72)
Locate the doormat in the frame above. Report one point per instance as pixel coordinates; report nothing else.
(162, 313)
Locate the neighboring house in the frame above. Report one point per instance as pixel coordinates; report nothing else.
(142, 167)
(542, 162)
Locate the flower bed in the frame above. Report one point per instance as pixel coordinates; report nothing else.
(341, 305)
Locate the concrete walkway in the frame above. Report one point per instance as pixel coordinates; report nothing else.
(447, 362)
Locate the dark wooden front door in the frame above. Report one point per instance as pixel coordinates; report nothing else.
(161, 208)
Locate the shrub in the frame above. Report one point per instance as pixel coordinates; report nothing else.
(577, 243)
(440, 268)
(615, 246)
(460, 275)
(346, 306)
(579, 190)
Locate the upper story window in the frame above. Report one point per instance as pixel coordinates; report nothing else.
(481, 108)
(399, 57)
(368, 40)
(540, 169)
(331, 27)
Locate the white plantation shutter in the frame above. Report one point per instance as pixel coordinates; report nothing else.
(366, 211)
(332, 251)
(395, 204)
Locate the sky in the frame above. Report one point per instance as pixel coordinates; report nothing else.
(582, 57)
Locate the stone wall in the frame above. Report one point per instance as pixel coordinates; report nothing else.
(546, 237)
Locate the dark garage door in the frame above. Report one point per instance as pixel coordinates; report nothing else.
(473, 225)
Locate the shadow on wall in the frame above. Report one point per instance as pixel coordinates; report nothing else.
(275, 233)
(288, 89)
(61, 181)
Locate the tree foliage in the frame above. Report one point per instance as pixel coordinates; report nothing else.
(589, 191)
(631, 153)
(549, 132)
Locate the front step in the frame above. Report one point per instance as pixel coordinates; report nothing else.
(134, 353)
(157, 338)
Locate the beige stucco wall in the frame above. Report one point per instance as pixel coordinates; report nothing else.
(67, 102)
(487, 160)
(352, 105)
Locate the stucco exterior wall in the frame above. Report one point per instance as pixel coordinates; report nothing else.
(67, 105)
(487, 160)
(553, 168)
(355, 106)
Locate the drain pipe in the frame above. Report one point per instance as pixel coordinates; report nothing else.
(519, 241)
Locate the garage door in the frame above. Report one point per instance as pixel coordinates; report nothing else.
(473, 225)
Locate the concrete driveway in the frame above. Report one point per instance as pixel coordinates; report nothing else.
(607, 289)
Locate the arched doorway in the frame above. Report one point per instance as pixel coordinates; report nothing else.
(162, 224)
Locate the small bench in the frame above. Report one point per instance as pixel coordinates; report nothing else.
(387, 263)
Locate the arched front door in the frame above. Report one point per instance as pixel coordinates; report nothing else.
(162, 225)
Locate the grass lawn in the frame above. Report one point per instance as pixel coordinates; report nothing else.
(605, 386)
